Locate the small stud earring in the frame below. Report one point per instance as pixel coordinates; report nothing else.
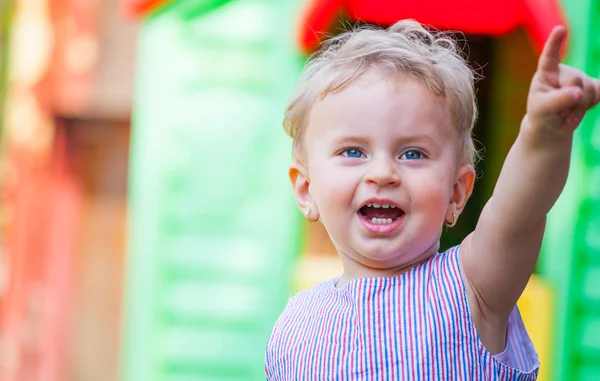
(454, 220)
(307, 215)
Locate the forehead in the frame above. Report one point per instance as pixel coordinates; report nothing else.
(375, 105)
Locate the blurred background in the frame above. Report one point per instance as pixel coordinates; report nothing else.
(147, 226)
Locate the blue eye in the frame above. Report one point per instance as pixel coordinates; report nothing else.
(353, 152)
(412, 155)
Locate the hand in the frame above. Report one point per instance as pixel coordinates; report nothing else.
(559, 95)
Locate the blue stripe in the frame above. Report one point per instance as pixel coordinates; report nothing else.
(416, 301)
(364, 326)
(435, 332)
(405, 346)
(395, 314)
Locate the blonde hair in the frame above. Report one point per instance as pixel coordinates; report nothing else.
(407, 48)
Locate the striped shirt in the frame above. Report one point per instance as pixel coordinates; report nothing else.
(415, 326)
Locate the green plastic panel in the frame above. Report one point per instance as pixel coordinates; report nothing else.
(571, 251)
(213, 230)
(587, 372)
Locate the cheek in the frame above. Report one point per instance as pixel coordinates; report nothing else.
(326, 186)
(433, 194)
(332, 191)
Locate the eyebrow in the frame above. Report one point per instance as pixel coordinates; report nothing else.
(417, 138)
(350, 138)
(407, 139)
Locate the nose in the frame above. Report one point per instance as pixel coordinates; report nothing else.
(382, 172)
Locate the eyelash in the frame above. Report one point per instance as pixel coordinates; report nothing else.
(423, 155)
(420, 152)
(352, 149)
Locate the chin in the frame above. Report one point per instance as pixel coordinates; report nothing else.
(383, 255)
(395, 256)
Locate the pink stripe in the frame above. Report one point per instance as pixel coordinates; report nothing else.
(380, 333)
(364, 342)
(370, 324)
(460, 311)
(421, 316)
(397, 317)
(389, 335)
(352, 360)
(438, 313)
(361, 365)
(409, 315)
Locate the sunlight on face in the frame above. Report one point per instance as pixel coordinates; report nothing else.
(382, 157)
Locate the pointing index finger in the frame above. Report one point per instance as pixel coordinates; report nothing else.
(550, 57)
(596, 84)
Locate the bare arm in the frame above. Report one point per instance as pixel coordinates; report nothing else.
(498, 258)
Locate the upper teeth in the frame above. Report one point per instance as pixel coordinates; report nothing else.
(376, 205)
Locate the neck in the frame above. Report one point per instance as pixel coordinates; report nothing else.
(356, 269)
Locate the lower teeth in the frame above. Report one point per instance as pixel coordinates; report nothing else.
(381, 220)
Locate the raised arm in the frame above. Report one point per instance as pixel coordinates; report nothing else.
(498, 258)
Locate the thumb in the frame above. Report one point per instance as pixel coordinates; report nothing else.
(561, 99)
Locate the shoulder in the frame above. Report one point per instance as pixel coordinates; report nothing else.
(309, 297)
(314, 292)
(441, 270)
(446, 263)
(450, 254)
(303, 309)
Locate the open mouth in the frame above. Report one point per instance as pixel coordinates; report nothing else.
(381, 213)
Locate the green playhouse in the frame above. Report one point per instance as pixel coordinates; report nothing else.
(214, 231)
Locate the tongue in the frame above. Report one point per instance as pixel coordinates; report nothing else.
(371, 212)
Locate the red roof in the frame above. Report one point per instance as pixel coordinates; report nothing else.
(489, 17)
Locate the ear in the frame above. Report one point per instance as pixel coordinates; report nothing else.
(463, 187)
(301, 187)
